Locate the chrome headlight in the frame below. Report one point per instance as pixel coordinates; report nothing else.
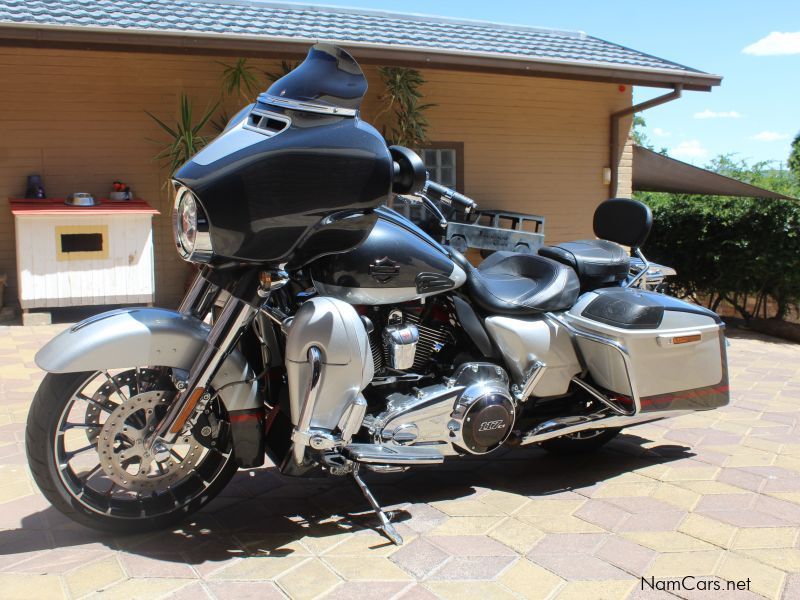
(190, 227)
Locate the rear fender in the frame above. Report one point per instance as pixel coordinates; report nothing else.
(139, 337)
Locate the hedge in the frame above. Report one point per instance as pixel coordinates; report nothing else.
(743, 251)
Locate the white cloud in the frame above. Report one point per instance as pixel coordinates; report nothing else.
(689, 149)
(775, 43)
(661, 132)
(711, 114)
(769, 136)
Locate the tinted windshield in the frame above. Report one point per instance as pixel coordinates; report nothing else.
(329, 78)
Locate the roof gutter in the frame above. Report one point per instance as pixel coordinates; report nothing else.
(625, 112)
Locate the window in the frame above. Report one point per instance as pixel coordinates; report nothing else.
(445, 163)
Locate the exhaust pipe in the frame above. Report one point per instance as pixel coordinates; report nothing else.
(600, 420)
(610, 416)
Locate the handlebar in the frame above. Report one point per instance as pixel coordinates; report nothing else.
(450, 197)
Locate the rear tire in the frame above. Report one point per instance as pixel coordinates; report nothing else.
(572, 444)
(48, 426)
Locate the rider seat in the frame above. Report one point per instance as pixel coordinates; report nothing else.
(510, 283)
(604, 262)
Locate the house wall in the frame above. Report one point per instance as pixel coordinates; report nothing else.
(78, 118)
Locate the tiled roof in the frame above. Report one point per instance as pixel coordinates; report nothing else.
(297, 22)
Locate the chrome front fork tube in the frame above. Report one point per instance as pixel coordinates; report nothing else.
(194, 394)
(200, 297)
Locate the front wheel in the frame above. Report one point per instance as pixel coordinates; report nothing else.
(84, 440)
(580, 442)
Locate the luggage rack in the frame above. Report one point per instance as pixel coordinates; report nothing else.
(495, 230)
(487, 230)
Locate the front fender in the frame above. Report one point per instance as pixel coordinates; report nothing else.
(139, 337)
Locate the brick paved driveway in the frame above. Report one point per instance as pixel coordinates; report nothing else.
(713, 495)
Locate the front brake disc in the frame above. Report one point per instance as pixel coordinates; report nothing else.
(125, 456)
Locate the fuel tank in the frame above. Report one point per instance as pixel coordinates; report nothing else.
(397, 262)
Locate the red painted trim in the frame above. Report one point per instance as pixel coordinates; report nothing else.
(722, 388)
(241, 416)
(56, 206)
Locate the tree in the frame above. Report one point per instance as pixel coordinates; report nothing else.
(794, 158)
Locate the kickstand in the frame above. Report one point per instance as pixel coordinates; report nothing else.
(386, 526)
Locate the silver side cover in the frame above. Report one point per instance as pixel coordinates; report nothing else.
(335, 328)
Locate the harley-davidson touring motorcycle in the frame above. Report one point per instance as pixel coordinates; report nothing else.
(332, 335)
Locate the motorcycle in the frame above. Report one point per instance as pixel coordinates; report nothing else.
(329, 333)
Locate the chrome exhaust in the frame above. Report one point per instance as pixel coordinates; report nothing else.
(610, 416)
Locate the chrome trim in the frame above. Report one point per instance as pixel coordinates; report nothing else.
(301, 433)
(641, 273)
(597, 395)
(574, 333)
(200, 297)
(400, 342)
(533, 377)
(202, 251)
(306, 106)
(352, 419)
(561, 426)
(386, 524)
(393, 455)
(236, 315)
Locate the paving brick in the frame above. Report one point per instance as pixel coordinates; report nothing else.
(530, 581)
(94, 577)
(579, 567)
(309, 580)
(469, 590)
(244, 590)
(625, 554)
(472, 567)
(419, 558)
(26, 587)
(470, 545)
(764, 580)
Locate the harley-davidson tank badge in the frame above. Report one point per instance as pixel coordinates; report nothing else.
(384, 269)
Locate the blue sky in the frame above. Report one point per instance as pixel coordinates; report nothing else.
(755, 113)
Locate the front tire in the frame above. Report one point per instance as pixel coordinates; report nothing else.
(71, 409)
(580, 443)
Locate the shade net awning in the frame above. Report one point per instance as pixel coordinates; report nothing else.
(654, 172)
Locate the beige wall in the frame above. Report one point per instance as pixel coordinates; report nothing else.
(77, 118)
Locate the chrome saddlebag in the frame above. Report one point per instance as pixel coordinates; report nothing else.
(662, 354)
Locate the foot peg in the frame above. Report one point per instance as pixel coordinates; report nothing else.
(386, 525)
(392, 455)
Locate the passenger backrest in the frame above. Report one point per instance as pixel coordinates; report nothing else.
(624, 221)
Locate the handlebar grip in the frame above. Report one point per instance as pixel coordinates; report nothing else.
(451, 197)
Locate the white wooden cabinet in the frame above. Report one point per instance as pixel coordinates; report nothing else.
(77, 256)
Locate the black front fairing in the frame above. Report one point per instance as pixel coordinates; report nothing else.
(303, 187)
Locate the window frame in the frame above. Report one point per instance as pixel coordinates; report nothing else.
(459, 150)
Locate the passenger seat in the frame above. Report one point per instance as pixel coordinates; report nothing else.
(604, 262)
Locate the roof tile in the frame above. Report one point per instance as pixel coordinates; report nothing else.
(268, 20)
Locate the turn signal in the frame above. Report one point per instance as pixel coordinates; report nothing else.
(191, 402)
(686, 339)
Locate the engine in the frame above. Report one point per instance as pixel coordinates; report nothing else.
(471, 412)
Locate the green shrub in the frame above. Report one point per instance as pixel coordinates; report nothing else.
(743, 251)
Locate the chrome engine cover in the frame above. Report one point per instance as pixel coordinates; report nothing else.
(450, 415)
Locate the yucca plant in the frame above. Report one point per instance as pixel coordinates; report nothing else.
(240, 79)
(401, 98)
(284, 69)
(186, 139)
